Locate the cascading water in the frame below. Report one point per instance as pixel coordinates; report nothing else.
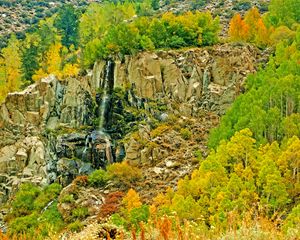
(100, 137)
(105, 95)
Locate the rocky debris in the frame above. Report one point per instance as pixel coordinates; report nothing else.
(165, 155)
(75, 197)
(22, 161)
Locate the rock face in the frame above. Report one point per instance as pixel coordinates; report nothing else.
(208, 78)
(28, 151)
(44, 129)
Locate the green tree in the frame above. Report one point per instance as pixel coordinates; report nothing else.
(30, 56)
(284, 12)
(67, 23)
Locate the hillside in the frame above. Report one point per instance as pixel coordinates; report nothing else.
(144, 120)
(19, 15)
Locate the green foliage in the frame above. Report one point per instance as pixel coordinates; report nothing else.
(185, 133)
(75, 226)
(234, 179)
(10, 67)
(138, 215)
(98, 178)
(34, 212)
(124, 34)
(293, 219)
(68, 198)
(284, 12)
(67, 23)
(48, 194)
(117, 219)
(26, 224)
(80, 213)
(23, 203)
(51, 220)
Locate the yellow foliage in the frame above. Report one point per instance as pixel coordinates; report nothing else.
(124, 173)
(52, 64)
(39, 74)
(70, 70)
(10, 68)
(132, 200)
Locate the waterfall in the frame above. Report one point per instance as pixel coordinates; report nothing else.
(105, 95)
(206, 79)
(99, 141)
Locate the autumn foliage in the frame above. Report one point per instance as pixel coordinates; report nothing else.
(249, 29)
(112, 204)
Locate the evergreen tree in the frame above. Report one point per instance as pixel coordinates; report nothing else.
(67, 23)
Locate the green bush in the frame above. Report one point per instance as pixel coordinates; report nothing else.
(80, 213)
(51, 220)
(68, 198)
(185, 133)
(23, 203)
(98, 178)
(293, 219)
(21, 225)
(75, 226)
(48, 194)
(30, 214)
(198, 154)
(117, 219)
(138, 215)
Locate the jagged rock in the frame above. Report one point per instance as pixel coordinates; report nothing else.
(145, 155)
(182, 75)
(133, 150)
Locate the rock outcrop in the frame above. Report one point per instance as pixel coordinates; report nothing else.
(43, 129)
(194, 79)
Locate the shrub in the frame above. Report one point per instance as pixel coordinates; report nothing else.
(81, 181)
(138, 215)
(242, 5)
(68, 198)
(132, 200)
(160, 130)
(98, 178)
(112, 204)
(75, 226)
(124, 173)
(198, 154)
(118, 220)
(51, 220)
(48, 194)
(293, 219)
(24, 199)
(22, 225)
(185, 133)
(80, 213)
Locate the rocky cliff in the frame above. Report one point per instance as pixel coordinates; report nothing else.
(48, 130)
